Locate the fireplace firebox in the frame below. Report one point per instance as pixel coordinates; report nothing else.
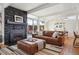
(16, 35)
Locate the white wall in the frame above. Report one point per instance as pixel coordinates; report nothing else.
(2, 20)
(70, 25)
(0, 27)
(50, 25)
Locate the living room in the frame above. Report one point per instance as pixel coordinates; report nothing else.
(39, 29)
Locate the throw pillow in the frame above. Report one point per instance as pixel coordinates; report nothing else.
(55, 34)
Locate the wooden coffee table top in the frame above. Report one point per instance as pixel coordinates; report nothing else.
(31, 42)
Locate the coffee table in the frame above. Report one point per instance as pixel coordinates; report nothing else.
(31, 47)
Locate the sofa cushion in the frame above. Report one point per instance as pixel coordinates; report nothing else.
(47, 33)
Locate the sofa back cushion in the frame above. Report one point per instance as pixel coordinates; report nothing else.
(48, 33)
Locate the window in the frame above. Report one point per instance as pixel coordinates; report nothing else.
(35, 22)
(30, 26)
(41, 24)
(29, 21)
(35, 26)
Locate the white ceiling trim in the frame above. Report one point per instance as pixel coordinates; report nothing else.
(43, 6)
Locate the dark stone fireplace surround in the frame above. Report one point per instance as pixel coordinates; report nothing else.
(14, 31)
(16, 35)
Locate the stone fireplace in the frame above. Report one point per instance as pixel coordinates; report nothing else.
(14, 31)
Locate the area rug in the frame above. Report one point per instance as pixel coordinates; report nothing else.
(54, 47)
(49, 50)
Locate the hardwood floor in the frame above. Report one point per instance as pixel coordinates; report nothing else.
(68, 48)
(2, 45)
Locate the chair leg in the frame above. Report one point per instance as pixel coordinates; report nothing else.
(74, 42)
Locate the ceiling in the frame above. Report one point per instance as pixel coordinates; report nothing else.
(26, 6)
(48, 10)
(58, 9)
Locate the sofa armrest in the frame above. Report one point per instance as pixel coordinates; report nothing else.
(61, 40)
(34, 35)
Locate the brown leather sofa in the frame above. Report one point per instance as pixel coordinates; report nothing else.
(47, 35)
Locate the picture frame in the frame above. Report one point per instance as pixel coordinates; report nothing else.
(18, 19)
